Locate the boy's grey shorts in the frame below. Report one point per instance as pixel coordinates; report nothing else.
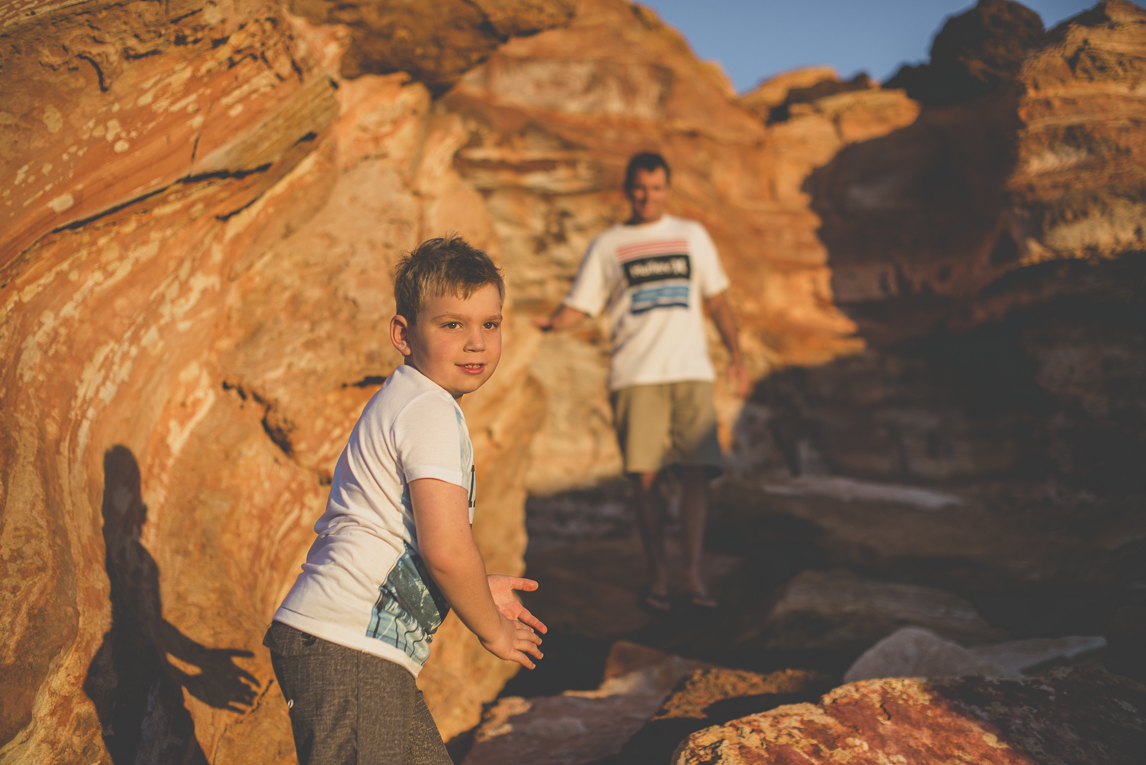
(351, 708)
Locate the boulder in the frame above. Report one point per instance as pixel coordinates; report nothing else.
(579, 727)
(839, 611)
(632, 716)
(1033, 560)
(1066, 715)
(975, 53)
(918, 652)
(713, 696)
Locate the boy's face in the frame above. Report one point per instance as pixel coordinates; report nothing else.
(456, 341)
(647, 195)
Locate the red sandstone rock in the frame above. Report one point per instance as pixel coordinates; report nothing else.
(1065, 716)
(436, 42)
(216, 340)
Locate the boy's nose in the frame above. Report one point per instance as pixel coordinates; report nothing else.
(475, 340)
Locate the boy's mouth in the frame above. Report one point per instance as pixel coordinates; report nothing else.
(472, 369)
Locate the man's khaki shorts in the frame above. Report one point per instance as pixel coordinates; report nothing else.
(667, 424)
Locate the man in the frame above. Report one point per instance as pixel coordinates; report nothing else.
(651, 274)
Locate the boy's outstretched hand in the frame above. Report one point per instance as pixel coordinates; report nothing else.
(518, 638)
(502, 587)
(514, 642)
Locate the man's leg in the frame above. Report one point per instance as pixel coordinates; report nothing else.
(641, 417)
(694, 511)
(650, 521)
(696, 452)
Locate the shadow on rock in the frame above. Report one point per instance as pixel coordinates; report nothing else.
(137, 689)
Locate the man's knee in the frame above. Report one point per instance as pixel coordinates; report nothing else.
(644, 482)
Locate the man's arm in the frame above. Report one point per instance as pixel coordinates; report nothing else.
(721, 314)
(446, 544)
(563, 318)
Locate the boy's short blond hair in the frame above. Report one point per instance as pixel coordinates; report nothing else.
(447, 265)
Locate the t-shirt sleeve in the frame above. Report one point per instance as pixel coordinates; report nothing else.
(712, 279)
(591, 288)
(431, 440)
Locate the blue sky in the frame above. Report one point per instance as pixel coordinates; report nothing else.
(755, 39)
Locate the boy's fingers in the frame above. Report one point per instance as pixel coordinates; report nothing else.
(520, 583)
(532, 649)
(522, 659)
(527, 618)
(524, 633)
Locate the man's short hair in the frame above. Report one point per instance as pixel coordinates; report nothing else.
(647, 161)
(447, 265)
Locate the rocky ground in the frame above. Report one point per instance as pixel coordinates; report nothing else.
(823, 583)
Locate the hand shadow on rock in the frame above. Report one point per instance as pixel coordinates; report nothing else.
(136, 688)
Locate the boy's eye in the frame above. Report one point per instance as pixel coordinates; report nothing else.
(451, 325)
(491, 325)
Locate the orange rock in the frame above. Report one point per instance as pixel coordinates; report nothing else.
(914, 720)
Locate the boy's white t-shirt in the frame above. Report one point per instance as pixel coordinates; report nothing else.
(364, 585)
(652, 279)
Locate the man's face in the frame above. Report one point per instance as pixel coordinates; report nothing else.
(647, 195)
(456, 341)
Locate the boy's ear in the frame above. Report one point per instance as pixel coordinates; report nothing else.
(400, 335)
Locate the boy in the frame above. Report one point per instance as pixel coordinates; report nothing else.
(394, 550)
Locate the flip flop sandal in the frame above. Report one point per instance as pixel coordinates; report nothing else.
(703, 601)
(654, 602)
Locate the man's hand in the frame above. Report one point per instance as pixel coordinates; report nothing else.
(563, 318)
(502, 587)
(738, 377)
(725, 322)
(514, 641)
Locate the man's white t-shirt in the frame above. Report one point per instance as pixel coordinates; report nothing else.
(652, 278)
(364, 585)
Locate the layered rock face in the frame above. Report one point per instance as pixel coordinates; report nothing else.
(201, 203)
(188, 343)
(990, 255)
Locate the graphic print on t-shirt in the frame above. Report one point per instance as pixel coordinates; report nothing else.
(409, 609)
(657, 272)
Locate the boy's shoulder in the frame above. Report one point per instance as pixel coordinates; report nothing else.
(405, 386)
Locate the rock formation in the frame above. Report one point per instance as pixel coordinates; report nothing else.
(912, 720)
(918, 652)
(190, 334)
(200, 202)
(990, 255)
